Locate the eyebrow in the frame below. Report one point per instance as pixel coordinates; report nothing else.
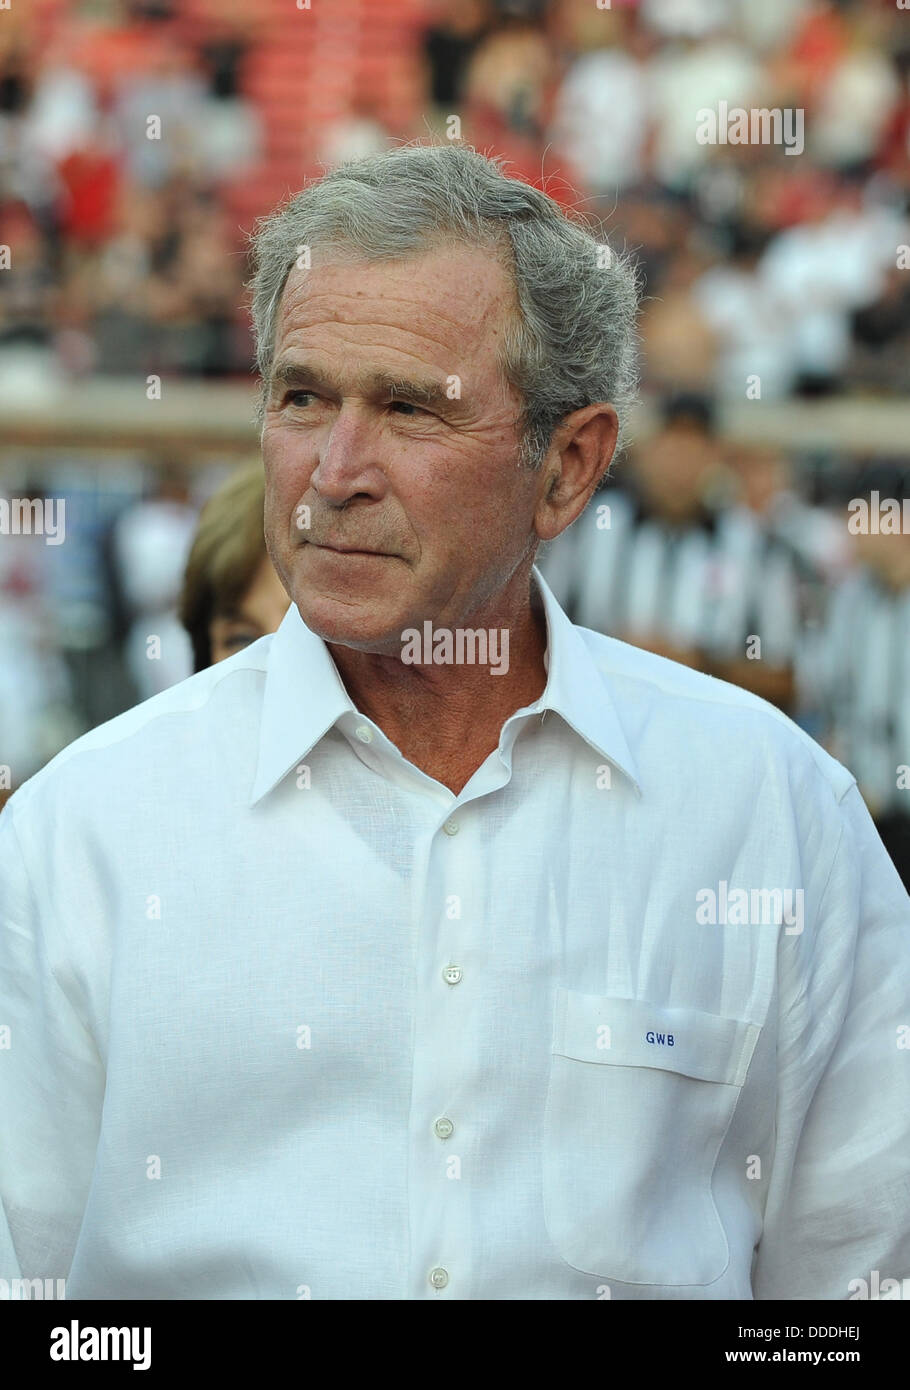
(378, 385)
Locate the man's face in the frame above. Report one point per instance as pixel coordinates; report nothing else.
(432, 489)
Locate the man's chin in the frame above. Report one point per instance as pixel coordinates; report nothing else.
(348, 624)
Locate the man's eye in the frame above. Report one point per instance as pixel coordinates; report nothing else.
(301, 399)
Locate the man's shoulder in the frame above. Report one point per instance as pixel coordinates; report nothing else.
(149, 730)
(700, 715)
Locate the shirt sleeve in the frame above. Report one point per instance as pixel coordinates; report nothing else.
(51, 1084)
(838, 1205)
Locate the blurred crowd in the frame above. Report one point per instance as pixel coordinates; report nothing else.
(779, 274)
(128, 251)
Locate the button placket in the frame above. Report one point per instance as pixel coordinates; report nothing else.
(441, 1233)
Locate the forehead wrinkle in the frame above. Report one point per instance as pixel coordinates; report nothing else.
(444, 345)
(499, 303)
(409, 331)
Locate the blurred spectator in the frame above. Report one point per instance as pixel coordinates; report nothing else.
(671, 568)
(767, 487)
(151, 544)
(159, 116)
(37, 717)
(816, 274)
(865, 670)
(507, 79)
(750, 332)
(231, 136)
(455, 29)
(355, 135)
(791, 551)
(231, 594)
(685, 78)
(880, 359)
(602, 114)
(27, 360)
(856, 97)
(678, 342)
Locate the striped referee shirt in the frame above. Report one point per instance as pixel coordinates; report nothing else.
(709, 583)
(865, 672)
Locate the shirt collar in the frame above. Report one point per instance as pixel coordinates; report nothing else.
(577, 688)
(305, 696)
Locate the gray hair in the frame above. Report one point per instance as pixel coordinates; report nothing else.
(573, 341)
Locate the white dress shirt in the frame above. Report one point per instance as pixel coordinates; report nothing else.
(287, 1018)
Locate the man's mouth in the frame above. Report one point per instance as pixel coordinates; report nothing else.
(339, 549)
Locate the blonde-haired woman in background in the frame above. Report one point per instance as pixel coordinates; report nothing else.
(231, 594)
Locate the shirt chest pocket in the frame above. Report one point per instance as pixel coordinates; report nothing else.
(640, 1097)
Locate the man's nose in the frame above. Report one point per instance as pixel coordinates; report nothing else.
(349, 459)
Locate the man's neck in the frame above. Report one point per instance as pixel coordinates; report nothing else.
(446, 719)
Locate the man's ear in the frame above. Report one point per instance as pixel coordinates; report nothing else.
(579, 455)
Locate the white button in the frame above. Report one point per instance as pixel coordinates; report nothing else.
(364, 734)
(451, 827)
(439, 1277)
(444, 1128)
(452, 974)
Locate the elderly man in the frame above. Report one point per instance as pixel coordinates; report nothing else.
(435, 947)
